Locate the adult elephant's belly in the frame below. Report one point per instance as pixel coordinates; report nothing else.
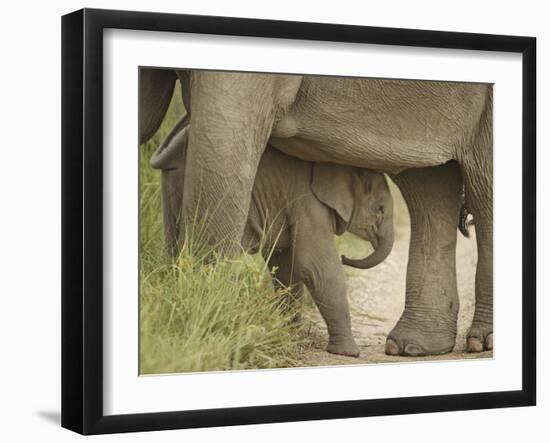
(388, 125)
(390, 157)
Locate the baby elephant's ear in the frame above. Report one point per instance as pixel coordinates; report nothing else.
(332, 184)
(171, 152)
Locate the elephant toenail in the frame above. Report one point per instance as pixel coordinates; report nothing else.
(391, 347)
(489, 342)
(413, 350)
(474, 344)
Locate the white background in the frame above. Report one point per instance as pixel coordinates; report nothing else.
(30, 234)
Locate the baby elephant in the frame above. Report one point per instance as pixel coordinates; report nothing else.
(296, 208)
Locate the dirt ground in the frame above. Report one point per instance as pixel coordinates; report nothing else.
(377, 298)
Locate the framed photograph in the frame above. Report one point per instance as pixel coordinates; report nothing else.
(269, 221)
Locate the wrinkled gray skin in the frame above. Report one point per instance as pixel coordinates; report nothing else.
(296, 208)
(432, 137)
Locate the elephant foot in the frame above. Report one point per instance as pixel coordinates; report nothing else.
(346, 347)
(479, 338)
(415, 343)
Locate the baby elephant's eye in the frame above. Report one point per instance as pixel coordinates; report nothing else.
(381, 209)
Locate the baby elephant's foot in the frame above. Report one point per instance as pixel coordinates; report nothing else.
(343, 346)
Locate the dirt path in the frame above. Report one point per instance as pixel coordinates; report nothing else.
(377, 298)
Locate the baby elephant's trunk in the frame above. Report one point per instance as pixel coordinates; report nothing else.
(381, 251)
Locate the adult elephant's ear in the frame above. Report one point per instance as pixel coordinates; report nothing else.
(171, 152)
(333, 185)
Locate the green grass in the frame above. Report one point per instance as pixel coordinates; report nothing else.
(218, 316)
(196, 316)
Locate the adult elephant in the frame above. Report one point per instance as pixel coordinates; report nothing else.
(430, 136)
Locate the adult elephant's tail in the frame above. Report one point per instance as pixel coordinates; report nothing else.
(465, 219)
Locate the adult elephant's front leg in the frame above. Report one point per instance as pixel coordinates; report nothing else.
(232, 116)
(428, 324)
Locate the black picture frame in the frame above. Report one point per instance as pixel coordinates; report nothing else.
(82, 220)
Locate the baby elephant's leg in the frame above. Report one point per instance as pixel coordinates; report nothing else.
(283, 261)
(321, 270)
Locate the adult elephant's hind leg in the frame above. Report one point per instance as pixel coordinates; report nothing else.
(478, 178)
(480, 335)
(428, 324)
